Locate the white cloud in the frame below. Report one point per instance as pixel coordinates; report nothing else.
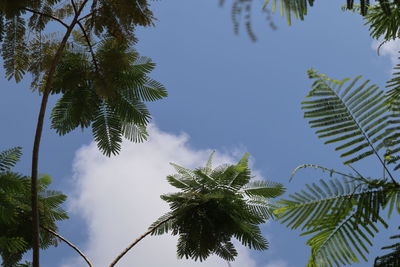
(277, 263)
(118, 198)
(390, 49)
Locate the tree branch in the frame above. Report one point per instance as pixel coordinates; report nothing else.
(69, 244)
(138, 240)
(96, 66)
(74, 6)
(46, 15)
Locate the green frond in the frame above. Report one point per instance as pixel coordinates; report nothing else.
(208, 168)
(291, 8)
(355, 116)
(391, 259)
(76, 108)
(184, 172)
(130, 110)
(38, 22)
(9, 157)
(341, 216)
(214, 205)
(226, 250)
(15, 212)
(109, 98)
(14, 49)
(393, 202)
(143, 65)
(134, 132)
(162, 225)
(383, 25)
(106, 129)
(262, 188)
(235, 176)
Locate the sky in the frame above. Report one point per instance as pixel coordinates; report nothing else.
(226, 93)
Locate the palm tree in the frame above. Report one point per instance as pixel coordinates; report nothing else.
(212, 207)
(343, 213)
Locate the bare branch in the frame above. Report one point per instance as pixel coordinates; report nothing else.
(138, 240)
(69, 244)
(74, 6)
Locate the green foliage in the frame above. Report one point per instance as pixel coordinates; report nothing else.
(391, 259)
(298, 8)
(14, 49)
(110, 97)
(116, 17)
(103, 81)
(383, 25)
(15, 211)
(9, 157)
(214, 205)
(355, 116)
(342, 215)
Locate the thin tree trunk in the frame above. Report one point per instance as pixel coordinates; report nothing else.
(69, 244)
(137, 241)
(38, 135)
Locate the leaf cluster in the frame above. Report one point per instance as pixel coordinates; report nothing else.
(342, 215)
(109, 97)
(15, 210)
(214, 205)
(22, 21)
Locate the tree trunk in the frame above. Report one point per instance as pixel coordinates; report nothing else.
(38, 135)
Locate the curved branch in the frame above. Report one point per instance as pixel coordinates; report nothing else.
(69, 244)
(46, 15)
(138, 240)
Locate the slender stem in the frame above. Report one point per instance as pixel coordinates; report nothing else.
(90, 46)
(46, 15)
(38, 135)
(69, 244)
(138, 240)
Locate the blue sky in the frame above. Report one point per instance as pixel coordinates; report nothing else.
(226, 93)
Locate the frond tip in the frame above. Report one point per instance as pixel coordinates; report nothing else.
(215, 205)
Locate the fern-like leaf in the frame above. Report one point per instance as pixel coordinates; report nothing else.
(340, 215)
(14, 49)
(106, 129)
(9, 157)
(354, 116)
